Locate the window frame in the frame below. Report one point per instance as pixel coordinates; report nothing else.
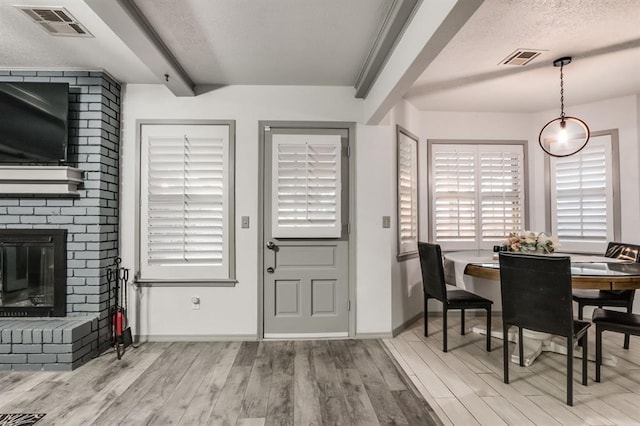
(477, 243)
(405, 136)
(229, 278)
(582, 246)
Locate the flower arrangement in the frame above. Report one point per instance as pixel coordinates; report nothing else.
(531, 242)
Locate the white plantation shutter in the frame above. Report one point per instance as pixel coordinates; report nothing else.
(582, 195)
(407, 194)
(477, 193)
(501, 191)
(185, 203)
(306, 194)
(454, 193)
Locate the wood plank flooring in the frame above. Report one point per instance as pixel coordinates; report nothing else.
(343, 382)
(329, 382)
(465, 385)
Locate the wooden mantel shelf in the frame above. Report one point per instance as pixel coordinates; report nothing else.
(34, 180)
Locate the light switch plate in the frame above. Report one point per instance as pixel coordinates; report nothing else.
(245, 222)
(386, 221)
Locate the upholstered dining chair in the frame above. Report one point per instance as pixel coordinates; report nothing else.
(602, 298)
(536, 295)
(434, 286)
(608, 320)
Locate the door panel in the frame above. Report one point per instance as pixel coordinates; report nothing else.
(287, 300)
(324, 298)
(306, 288)
(295, 256)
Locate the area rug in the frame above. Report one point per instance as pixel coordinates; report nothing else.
(20, 419)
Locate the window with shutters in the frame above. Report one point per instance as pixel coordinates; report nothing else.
(584, 212)
(306, 196)
(477, 193)
(407, 214)
(186, 201)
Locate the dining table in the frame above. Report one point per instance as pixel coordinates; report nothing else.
(587, 272)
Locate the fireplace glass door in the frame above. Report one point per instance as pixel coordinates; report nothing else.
(27, 275)
(33, 273)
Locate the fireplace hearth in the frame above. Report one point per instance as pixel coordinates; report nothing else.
(33, 272)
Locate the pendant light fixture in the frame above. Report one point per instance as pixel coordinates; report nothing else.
(563, 136)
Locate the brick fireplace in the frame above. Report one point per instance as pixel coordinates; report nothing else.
(90, 218)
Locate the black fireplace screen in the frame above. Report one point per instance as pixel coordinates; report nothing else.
(34, 276)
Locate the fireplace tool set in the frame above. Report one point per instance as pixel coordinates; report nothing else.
(120, 332)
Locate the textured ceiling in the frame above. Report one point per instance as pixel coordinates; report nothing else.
(293, 42)
(603, 37)
(325, 42)
(23, 44)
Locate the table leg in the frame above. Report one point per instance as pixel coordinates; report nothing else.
(535, 343)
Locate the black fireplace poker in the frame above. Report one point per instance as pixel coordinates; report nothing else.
(120, 332)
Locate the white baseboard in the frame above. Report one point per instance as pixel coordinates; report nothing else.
(399, 329)
(374, 335)
(195, 337)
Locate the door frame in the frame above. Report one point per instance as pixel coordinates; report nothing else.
(351, 128)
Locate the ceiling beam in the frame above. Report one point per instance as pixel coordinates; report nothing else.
(397, 18)
(433, 25)
(127, 22)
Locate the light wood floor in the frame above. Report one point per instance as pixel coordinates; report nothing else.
(339, 382)
(465, 385)
(328, 382)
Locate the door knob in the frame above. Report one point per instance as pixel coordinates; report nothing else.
(270, 270)
(271, 245)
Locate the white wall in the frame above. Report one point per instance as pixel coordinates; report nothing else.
(388, 292)
(406, 277)
(468, 126)
(374, 164)
(621, 113)
(165, 312)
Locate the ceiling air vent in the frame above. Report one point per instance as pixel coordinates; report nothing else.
(56, 21)
(521, 57)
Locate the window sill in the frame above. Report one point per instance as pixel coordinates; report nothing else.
(406, 256)
(51, 180)
(185, 283)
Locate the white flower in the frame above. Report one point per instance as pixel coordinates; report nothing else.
(531, 242)
(547, 242)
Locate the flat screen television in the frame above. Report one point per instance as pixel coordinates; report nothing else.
(33, 122)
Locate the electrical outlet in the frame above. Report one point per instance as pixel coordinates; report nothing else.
(195, 302)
